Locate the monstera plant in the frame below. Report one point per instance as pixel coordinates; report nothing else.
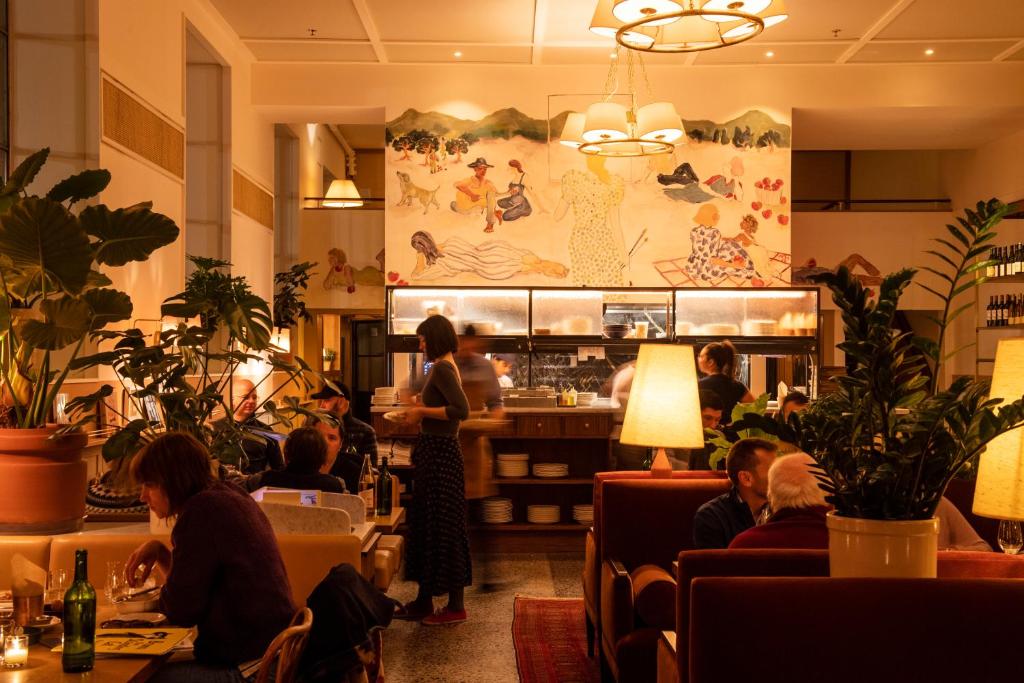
(54, 293)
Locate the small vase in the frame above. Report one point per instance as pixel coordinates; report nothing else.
(868, 548)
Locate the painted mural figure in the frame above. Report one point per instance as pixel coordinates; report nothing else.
(597, 254)
(513, 204)
(492, 259)
(758, 254)
(476, 193)
(342, 274)
(727, 185)
(690, 190)
(711, 256)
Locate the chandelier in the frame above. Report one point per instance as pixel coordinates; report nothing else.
(612, 129)
(684, 25)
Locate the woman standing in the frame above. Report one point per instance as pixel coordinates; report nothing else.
(223, 553)
(438, 558)
(717, 361)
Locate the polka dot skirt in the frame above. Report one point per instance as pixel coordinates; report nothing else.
(438, 551)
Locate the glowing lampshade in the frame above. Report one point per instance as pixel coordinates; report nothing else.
(664, 408)
(572, 131)
(605, 121)
(604, 23)
(628, 11)
(745, 6)
(999, 492)
(659, 121)
(689, 33)
(776, 14)
(342, 194)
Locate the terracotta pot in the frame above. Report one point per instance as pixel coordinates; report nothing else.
(868, 548)
(44, 481)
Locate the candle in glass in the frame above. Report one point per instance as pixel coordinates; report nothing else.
(15, 651)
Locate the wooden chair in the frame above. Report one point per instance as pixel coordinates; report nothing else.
(287, 647)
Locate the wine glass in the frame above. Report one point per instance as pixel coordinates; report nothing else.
(116, 584)
(56, 585)
(1010, 539)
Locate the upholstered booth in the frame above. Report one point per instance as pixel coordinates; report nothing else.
(644, 523)
(799, 630)
(592, 558)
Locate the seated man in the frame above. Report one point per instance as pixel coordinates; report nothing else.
(711, 407)
(721, 519)
(306, 465)
(798, 509)
(260, 450)
(359, 438)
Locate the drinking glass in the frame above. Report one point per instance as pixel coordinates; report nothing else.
(7, 627)
(56, 585)
(116, 583)
(1010, 539)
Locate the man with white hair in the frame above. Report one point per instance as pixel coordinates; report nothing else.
(798, 508)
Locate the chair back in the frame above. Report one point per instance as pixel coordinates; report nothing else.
(287, 648)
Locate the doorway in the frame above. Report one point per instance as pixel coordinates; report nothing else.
(369, 364)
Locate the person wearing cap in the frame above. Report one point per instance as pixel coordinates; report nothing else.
(359, 436)
(477, 193)
(502, 367)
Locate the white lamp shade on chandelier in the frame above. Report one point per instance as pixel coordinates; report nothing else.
(342, 194)
(664, 407)
(659, 121)
(572, 131)
(999, 492)
(605, 121)
(685, 25)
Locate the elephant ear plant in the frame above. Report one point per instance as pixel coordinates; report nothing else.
(53, 291)
(888, 442)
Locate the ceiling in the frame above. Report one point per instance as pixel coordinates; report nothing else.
(553, 32)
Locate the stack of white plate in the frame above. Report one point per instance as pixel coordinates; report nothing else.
(584, 514)
(551, 470)
(384, 396)
(585, 398)
(543, 514)
(513, 464)
(496, 510)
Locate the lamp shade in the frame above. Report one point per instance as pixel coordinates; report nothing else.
(659, 121)
(342, 194)
(999, 492)
(689, 33)
(775, 14)
(605, 121)
(572, 131)
(628, 11)
(745, 6)
(664, 408)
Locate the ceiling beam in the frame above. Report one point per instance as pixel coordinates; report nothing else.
(363, 10)
(874, 30)
(540, 22)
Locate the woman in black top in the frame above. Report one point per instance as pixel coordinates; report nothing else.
(306, 464)
(717, 360)
(438, 555)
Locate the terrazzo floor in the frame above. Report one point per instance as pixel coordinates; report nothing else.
(480, 650)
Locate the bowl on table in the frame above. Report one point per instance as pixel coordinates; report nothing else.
(616, 331)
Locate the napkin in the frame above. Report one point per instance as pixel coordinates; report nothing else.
(27, 578)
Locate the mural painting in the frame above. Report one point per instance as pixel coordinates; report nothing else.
(498, 200)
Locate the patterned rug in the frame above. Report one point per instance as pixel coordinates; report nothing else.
(551, 642)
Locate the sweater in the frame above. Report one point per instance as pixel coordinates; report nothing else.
(444, 389)
(788, 528)
(227, 577)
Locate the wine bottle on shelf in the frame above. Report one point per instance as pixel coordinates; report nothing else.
(79, 619)
(367, 484)
(384, 489)
(988, 312)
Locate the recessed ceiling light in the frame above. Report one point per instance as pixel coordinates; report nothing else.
(929, 52)
(769, 54)
(457, 54)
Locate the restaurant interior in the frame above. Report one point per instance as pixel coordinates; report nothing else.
(618, 340)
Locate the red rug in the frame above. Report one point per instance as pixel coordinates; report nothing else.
(551, 642)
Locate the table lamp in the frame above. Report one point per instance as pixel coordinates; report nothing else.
(1000, 489)
(664, 407)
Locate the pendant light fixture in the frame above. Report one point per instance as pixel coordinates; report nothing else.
(612, 129)
(342, 194)
(685, 25)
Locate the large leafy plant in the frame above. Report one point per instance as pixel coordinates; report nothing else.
(188, 369)
(54, 293)
(747, 422)
(290, 285)
(887, 442)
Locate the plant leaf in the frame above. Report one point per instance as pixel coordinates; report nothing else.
(129, 234)
(26, 172)
(66, 320)
(80, 186)
(44, 243)
(108, 306)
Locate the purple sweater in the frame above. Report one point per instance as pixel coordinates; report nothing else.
(227, 577)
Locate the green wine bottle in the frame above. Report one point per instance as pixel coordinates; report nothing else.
(384, 489)
(79, 619)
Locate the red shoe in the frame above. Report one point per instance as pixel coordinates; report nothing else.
(445, 617)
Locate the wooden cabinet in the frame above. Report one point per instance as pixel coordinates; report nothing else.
(593, 426)
(538, 425)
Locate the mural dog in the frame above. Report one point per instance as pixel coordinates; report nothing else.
(411, 191)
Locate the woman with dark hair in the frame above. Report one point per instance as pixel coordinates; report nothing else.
(438, 556)
(223, 573)
(717, 361)
(306, 465)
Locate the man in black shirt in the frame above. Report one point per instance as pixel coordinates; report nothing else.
(261, 450)
(359, 436)
(719, 520)
(306, 464)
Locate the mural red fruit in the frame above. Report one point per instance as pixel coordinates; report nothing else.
(756, 206)
(392, 276)
(782, 200)
(783, 219)
(767, 213)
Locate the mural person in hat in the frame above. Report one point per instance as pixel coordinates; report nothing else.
(477, 194)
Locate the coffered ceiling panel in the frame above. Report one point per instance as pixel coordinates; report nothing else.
(274, 19)
(817, 19)
(482, 21)
(943, 52)
(578, 55)
(958, 19)
(753, 53)
(569, 22)
(494, 54)
(311, 51)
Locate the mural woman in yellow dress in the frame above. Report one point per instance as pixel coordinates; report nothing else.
(597, 254)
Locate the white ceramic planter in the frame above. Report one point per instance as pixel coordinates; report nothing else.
(874, 548)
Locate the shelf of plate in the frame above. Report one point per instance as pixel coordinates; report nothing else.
(520, 527)
(531, 481)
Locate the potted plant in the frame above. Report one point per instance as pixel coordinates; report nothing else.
(52, 296)
(889, 441)
(289, 306)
